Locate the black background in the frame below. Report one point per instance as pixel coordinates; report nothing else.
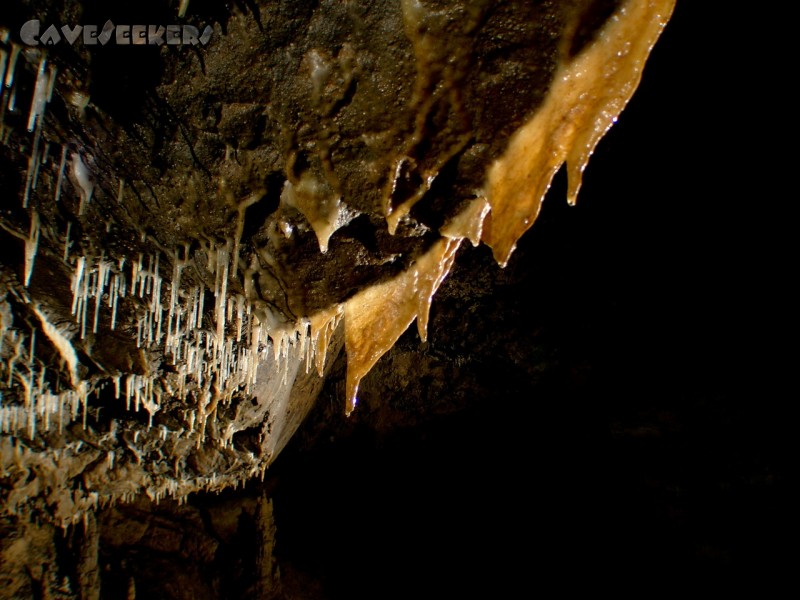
(658, 456)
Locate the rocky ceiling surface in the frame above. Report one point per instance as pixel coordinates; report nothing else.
(194, 220)
(196, 233)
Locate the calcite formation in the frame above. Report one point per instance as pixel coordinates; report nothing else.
(190, 231)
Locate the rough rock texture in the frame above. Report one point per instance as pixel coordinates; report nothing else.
(358, 129)
(187, 212)
(628, 425)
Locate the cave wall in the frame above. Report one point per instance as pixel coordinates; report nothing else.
(172, 243)
(697, 302)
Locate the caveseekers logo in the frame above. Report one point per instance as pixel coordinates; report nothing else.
(122, 35)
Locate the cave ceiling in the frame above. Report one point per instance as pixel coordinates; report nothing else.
(194, 227)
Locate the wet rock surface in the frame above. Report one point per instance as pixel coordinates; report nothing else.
(592, 402)
(187, 211)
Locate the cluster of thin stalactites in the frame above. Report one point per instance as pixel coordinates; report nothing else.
(215, 350)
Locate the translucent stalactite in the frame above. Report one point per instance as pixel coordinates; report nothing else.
(585, 99)
(323, 209)
(322, 327)
(375, 318)
(469, 222)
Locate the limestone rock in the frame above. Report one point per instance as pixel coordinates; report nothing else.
(189, 224)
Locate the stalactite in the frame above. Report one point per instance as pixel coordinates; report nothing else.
(376, 317)
(323, 325)
(32, 246)
(3, 64)
(221, 291)
(62, 165)
(240, 300)
(82, 180)
(65, 257)
(211, 365)
(61, 343)
(12, 100)
(33, 163)
(114, 298)
(12, 64)
(103, 271)
(39, 94)
(184, 6)
(323, 209)
(585, 99)
(77, 283)
(469, 222)
(84, 302)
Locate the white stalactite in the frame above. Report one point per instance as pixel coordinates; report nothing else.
(12, 64)
(32, 246)
(39, 94)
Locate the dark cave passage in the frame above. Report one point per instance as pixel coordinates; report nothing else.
(609, 410)
(650, 448)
